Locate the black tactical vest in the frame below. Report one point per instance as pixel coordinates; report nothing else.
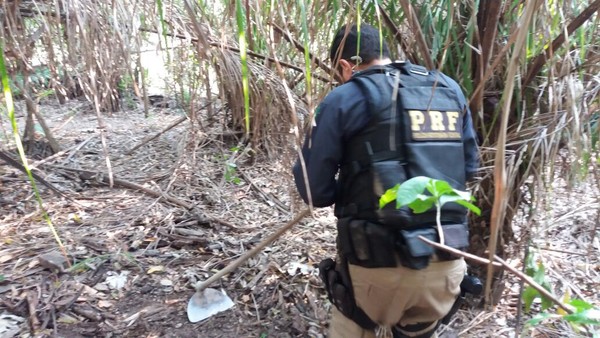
(415, 130)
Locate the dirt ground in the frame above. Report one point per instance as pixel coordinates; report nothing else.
(135, 255)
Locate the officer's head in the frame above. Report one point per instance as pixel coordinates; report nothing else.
(356, 47)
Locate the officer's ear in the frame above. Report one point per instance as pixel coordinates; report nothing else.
(345, 69)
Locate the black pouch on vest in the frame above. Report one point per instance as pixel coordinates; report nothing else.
(455, 236)
(366, 244)
(381, 245)
(386, 174)
(416, 253)
(344, 241)
(360, 243)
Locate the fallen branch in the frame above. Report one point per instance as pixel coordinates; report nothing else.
(500, 263)
(72, 151)
(267, 197)
(14, 163)
(148, 139)
(32, 304)
(534, 285)
(251, 253)
(99, 177)
(103, 178)
(87, 312)
(465, 255)
(171, 126)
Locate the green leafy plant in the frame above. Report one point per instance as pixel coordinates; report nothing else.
(230, 176)
(583, 313)
(538, 272)
(84, 265)
(411, 193)
(2, 278)
(231, 168)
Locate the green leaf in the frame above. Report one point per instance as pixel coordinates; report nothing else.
(530, 266)
(589, 316)
(540, 273)
(528, 296)
(410, 190)
(388, 196)
(470, 206)
(467, 196)
(540, 277)
(441, 188)
(546, 303)
(450, 198)
(580, 305)
(422, 204)
(539, 318)
(2, 278)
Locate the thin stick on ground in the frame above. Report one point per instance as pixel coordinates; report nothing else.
(252, 252)
(148, 139)
(87, 175)
(533, 284)
(514, 271)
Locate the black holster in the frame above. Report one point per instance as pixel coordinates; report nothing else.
(469, 285)
(338, 285)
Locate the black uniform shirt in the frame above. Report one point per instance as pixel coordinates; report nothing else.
(340, 116)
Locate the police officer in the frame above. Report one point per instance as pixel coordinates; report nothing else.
(403, 296)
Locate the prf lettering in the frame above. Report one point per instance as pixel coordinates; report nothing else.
(433, 124)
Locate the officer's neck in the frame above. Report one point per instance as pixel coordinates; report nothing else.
(376, 62)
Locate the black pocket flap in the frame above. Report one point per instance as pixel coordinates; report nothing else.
(456, 235)
(416, 247)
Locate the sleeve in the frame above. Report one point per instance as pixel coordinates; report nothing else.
(469, 137)
(322, 152)
(470, 145)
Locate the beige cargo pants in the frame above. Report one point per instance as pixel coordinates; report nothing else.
(401, 296)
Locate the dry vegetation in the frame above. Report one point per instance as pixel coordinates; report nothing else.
(141, 219)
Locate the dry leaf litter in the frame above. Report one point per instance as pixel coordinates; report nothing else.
(134, 257)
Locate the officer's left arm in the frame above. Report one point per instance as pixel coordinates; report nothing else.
(470, 145)
(469, 138)
(321, 153)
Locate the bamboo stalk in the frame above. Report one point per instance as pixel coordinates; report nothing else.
(500, 177)
(536, 65)
(413, 21)
(237, 50)
(286, 35)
